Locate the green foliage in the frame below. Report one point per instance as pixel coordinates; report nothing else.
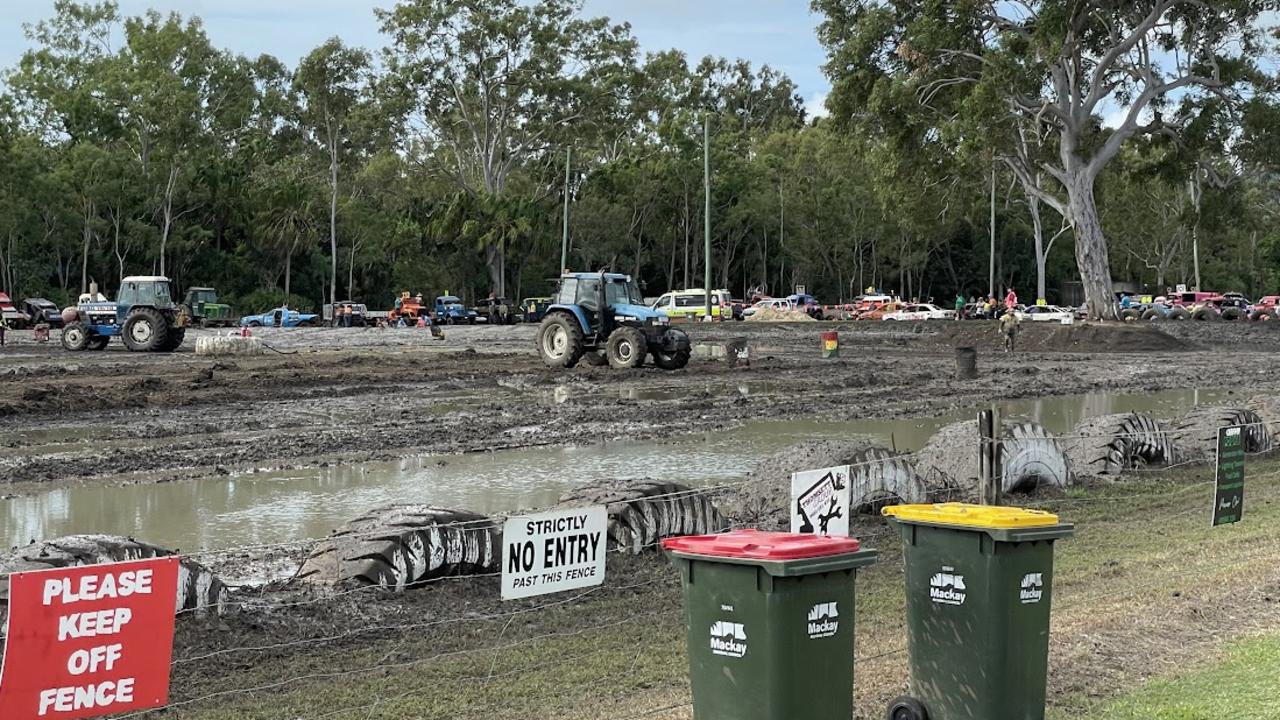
(135, 144)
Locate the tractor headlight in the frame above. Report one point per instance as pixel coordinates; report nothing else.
(625, 318)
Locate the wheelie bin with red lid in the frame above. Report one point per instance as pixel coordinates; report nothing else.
(979, 582)
(770, 623)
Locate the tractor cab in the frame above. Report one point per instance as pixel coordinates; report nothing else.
(605, 312)
(149, 291)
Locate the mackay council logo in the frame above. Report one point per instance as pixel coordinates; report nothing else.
(946, 587)
(1032, 588)
(822, 620)
(728, 639)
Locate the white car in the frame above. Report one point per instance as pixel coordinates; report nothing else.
(923, 311)
(781, 304)
(1044, 313)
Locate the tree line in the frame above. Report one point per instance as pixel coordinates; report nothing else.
(441, 161)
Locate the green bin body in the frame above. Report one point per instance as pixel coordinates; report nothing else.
(770, 624)
(978, 601)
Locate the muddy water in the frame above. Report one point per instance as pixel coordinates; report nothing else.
(272, 507)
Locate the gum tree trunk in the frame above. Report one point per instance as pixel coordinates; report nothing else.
(1092, 259)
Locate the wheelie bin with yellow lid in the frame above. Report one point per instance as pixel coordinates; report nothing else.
(770, 623)
(979, 581)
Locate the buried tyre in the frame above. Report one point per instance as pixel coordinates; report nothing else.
(145, 330)
(626, 349)
(560, 341)
(199, 590)
(643, 513)
(399, 546)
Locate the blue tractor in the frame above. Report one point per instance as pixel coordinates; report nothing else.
(602, 318)
(144, 316)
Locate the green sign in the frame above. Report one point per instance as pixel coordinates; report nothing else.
(1228, 500)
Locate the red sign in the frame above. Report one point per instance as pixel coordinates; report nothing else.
(89, 641)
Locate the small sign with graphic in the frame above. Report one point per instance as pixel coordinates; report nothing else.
(820, 501)
(946, 587)
(728, 639)
(1031, 590)
(1228, 500)
(553, 551)
(824, 620)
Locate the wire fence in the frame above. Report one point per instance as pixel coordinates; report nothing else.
(532, 638)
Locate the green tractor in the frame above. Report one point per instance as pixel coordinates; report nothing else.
(202, 307)
(143, 316)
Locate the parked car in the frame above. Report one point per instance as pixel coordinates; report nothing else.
(450, 311)
(693, 303)
(1044, 313)
(12, 316)
(40, 310)
(778, 304)
(920, 311)
(878, 313)
(809, 304)
(281, 317)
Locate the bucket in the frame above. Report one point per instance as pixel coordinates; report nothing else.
(966, 363)
(830, 344)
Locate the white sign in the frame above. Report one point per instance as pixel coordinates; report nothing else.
(553, 551)
(1181, 288)
(800, 290)
(820, 501)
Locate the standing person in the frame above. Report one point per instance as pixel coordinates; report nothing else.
(1010, 299)
(1125, 301)
(959, 305)
(1009, 329)
(4, 325)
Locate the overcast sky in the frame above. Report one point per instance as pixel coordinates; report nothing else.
(777, 32)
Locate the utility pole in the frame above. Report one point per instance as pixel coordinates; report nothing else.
(991, 278)
(564, 238)
(706, 220)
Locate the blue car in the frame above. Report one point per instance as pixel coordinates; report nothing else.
(281, 317)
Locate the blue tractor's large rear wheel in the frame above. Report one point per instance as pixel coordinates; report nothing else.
(560, 341)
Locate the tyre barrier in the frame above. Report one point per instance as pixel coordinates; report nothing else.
(643, 513)
(1152, 315)
(1196, 433)
(1206, 315)
(878, 476)
(1232, 314)
(1108, 446)
(1262, 315)
(229, 345)
(1177, 313)
(1030, 457)
(398, 546)
(199, 590)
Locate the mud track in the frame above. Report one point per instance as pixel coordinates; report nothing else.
(338, 396)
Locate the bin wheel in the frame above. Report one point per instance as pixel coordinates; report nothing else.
(907, 708)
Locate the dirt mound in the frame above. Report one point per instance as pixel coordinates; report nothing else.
(1081, 337)
(772, 315)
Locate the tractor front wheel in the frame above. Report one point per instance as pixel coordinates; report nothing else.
(560, 341)
(98, 342)
(145, 330)
(672, 360)
(75, 337)
(626, 349)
